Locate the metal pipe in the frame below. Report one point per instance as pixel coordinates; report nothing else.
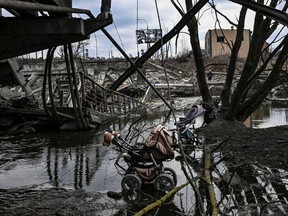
(20, 5)
(50, 85)
(76, 93)
(49, 53)
(68, 67)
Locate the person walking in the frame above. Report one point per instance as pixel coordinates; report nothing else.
(210, 75)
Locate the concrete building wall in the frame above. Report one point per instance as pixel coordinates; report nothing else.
(217, 42)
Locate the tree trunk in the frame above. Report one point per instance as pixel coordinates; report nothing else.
(226, 92)
(249, 67)
(197, 53)
(253, 102)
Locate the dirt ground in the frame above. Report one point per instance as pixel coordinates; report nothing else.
(34, 201)
(239, 144)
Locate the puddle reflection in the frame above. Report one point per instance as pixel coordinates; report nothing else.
(269, 114)
(62, 165)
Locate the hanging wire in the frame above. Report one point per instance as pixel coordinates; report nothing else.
(119, 35)
(137, 29)
(68, 68)
(50, 89)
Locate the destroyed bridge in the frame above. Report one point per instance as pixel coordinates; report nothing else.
(68, 98)
(73, 97)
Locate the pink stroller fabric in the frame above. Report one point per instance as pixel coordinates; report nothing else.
(161, 140)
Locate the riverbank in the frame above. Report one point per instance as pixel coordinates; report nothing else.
(266, 146)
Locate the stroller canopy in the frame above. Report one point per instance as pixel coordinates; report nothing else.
(194, 111)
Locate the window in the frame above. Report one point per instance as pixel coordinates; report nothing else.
(220, 39)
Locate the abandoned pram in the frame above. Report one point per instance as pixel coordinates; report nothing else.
(187, 134)
(145, 163)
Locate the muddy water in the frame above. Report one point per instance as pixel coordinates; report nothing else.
(78, 160)
(62, 159)
(269, 114)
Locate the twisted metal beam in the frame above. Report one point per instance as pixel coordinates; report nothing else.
(20, 5)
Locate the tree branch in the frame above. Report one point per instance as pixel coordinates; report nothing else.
(160, 201)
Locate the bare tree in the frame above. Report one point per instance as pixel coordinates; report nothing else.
(79, 49)
(242, 101)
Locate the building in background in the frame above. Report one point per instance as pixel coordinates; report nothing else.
(219, 41)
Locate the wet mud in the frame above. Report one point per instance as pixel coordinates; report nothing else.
(37, 201)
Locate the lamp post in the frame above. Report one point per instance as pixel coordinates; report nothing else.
(145, 22)
(110, 52)
(147, 28)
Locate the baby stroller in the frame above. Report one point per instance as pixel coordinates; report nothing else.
(145, 162)
(186, 134)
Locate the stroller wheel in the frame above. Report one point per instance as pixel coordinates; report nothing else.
(169, 171)
(163, 182)
(130, 182)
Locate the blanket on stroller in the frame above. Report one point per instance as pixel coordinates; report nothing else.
(160, 139)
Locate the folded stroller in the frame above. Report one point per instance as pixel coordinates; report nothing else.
(145, 162)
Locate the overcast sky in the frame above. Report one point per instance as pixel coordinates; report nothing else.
(125, 21)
